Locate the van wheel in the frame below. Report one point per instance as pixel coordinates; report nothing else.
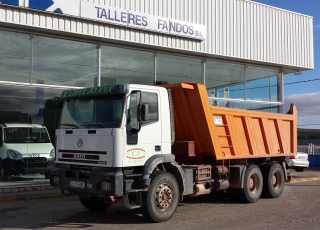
(47, 175)
(161, 201)
(273, 180)
(93, 203)
(252, 185)
(3, 175)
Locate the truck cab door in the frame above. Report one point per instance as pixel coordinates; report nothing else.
(147, 141)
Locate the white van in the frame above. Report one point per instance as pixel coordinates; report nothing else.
(25, 149)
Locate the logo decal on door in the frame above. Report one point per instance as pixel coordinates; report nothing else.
(136, 153)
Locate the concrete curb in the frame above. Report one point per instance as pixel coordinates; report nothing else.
(31, 188)
(39, 197)
(308, 179)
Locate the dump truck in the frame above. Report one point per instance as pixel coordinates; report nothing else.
(149, 146)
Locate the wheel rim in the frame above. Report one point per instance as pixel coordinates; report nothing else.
(276, 180)
(163, 196)
(253, 183)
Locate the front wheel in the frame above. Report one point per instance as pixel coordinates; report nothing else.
(94, 203)
(161, 201)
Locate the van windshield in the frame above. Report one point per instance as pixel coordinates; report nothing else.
(19, 135)
(92, 112)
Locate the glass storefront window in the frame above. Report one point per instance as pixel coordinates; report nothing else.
(225, 80)
(175, 69)
(265, 107)
(119, 65)
(262, 83)
(14, 57)
(32, 114)
(64, 62)
(28, 119)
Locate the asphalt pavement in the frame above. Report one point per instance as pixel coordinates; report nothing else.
(44, 191)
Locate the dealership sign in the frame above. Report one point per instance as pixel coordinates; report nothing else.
(116, 16)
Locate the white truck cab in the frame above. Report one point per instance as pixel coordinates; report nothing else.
(95, 131)
(25, 149)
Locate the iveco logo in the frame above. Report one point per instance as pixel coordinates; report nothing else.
(80, 142)
(79, 156)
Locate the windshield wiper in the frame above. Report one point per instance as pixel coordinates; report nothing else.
(73, 125)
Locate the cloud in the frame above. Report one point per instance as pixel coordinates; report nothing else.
(308, 106)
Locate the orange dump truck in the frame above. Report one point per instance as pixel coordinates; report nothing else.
(149, 146)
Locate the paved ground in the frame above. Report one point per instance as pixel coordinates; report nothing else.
(34, 192)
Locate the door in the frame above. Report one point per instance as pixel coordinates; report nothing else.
(147, 142)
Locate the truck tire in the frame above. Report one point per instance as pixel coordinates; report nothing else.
(273, 180)
(252, 185)
(3, 175)
(94, 204)
(160, 202)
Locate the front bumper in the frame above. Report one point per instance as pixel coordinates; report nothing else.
(88, 182)
(18, 166)
(33, 168)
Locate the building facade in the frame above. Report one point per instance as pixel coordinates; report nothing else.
(239, 49)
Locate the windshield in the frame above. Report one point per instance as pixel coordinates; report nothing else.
(19, 135)
(95, 112)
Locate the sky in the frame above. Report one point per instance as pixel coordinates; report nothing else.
(305, 95)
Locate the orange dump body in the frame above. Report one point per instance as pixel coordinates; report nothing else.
(229, 133)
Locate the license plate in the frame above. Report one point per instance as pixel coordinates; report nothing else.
(77, 184)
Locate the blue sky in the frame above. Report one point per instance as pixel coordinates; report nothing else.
(306, 96)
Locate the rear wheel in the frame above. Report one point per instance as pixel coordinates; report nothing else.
(3, 174)
(161, 201)
(94, 204)
(252, 186)
(273, 180)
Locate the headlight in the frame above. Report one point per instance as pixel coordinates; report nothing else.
(52, 153)
(12, 154)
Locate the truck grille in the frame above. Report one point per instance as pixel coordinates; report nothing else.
(88, 157)
(81, 151)
(83, 156)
